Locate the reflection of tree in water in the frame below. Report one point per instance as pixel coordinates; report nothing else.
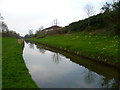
(56, 58)
(89, 77)
(41, 50)
(31, 45)
(109, 83)
(27, 42)
(104, 82)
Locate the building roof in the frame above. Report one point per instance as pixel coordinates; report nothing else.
(52, 27)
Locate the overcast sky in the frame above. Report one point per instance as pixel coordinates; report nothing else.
(23, 15)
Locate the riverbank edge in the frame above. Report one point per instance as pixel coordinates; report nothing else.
(80, 55)
(26, 70)
(23, 46)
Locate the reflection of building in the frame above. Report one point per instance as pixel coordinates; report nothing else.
(41, 50)
(52, 28)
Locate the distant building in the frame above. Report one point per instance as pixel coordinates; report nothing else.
(52, 28)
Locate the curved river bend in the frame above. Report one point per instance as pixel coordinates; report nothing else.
(54, 70)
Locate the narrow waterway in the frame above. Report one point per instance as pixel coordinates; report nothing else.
(56, 70)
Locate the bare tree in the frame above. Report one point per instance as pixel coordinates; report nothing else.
(30, 32)
(89, 10)
(55, 22)
(41, 28)
(39, 31)
(1, 22)
(1, 17)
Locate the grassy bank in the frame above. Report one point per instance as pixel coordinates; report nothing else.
(14, 72)
(0, 62)
(101, 47)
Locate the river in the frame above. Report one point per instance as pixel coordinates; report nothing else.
(56, 69)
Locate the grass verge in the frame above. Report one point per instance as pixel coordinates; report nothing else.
(14, 72)
(0, 62)
(101, 47)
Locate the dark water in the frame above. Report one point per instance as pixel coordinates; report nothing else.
(54, 70)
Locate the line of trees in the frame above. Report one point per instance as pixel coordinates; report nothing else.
(5, 32)
(8, 33)
(108, 18)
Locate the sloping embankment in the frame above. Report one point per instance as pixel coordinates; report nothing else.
(14, 72)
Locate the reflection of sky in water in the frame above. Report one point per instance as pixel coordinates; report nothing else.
(52, 70)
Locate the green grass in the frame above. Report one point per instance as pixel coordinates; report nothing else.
(102, 47)
(0, 62)
(14, 72)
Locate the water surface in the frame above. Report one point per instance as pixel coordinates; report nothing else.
(53, 70)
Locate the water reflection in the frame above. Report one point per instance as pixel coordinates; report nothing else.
(56, 58)
(31, 45)
(41, 50)
(27, 42)
(89, 77)
(53, 70)
(108, 83)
